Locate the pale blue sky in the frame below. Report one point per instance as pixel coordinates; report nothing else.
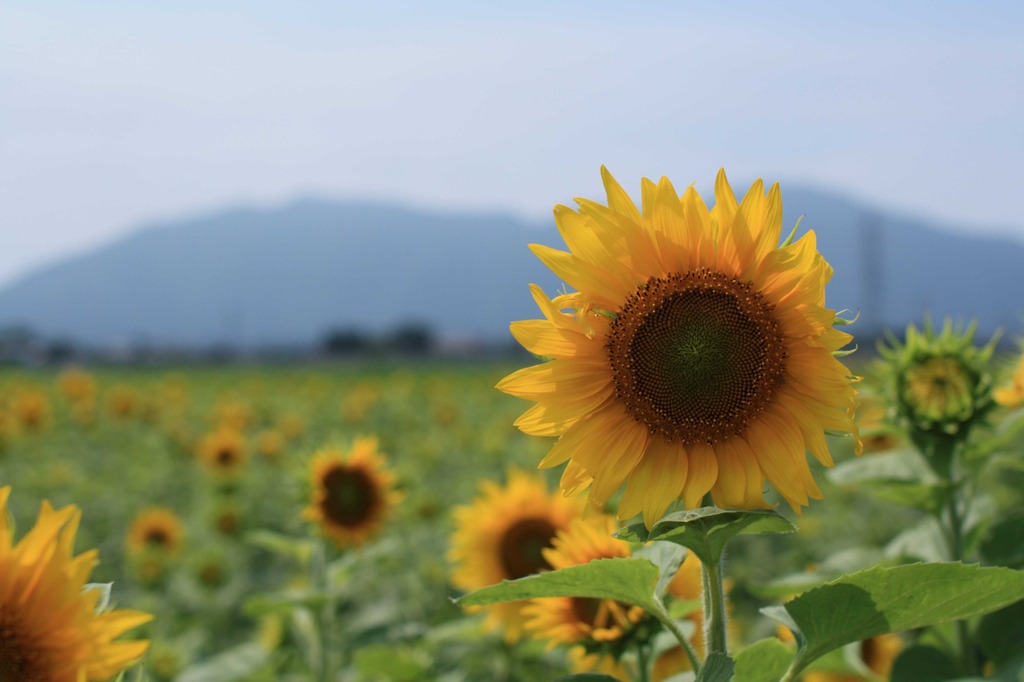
(117, 113)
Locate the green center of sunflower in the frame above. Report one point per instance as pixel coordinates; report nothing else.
(521, 549)
(940, 389)
(696, 356)
(350, 496)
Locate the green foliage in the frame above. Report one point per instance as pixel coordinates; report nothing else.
(706, 531)
(880, 600)
(1003, 545)
(901, 477)
(763, 661)
(923, 664)
(717, 668)
(630, 580)
(231, 665)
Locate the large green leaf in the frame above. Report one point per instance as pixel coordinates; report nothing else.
(763, 661)
(705, 531)
(631, 580)
(879, 600)
(667, 557)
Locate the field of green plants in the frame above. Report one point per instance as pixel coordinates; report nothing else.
(244, 586)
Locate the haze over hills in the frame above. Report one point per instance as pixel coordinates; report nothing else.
(251, 277)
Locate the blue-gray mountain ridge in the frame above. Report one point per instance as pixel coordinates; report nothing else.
(285, 275)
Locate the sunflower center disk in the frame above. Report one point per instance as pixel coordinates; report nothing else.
(696, 356)
(15, 662)
(350, 496)
(521, 549)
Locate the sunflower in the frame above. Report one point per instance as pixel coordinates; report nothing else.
(156, 529)
(76, 384)
(502, 535)
(352, 494)
(50, 630)
(223, 452)
(877, 654)
(581, 620)
(697, 354)
(1012, 395)
(939, 381)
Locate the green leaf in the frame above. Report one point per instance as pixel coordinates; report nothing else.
(763, 661)
(1001, 634)
(667, 557)
(234, 664)
(717, 668)
(1003, 545)
(705, 531)
(901, 477)
(924, 542)
(879, 600)
(587, 677)
(923, 664)
(631, 580)
(263, 603)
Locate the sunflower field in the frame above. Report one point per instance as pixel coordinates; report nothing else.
(692, 404)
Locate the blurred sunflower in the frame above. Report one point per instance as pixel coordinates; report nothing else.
(50, 630)
(270, 443)
(877, 654)
(581, 620)
(223, 452)
(353, 494)
(156, 529)
(122, 401)
(1012, 395)
(31, 408)
(502, 536)
(76, 384)
(697, 354)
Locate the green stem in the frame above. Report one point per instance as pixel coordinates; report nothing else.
(714, 607)
(955, 535)
(674, 628)
(642, 663)
(324, 615)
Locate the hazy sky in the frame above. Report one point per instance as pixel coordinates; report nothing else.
(117, 113)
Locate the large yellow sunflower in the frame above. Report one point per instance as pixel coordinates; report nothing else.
(581, 620)
(696, 355)
(49, 628)
(352, 495)
(502, 535)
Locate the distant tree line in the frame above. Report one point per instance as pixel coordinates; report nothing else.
(411, 339)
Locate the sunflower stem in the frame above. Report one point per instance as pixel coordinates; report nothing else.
(643, 663)
(674, 628)
(955, 529)
(714, 606)
(324, 615)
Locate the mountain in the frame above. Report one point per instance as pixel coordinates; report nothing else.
(285, 275)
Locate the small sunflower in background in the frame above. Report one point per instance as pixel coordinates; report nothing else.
(939, 382)
(156, 529)
(876, 654)
(270, 443)
(31, 408)
(223, 453)
(502, 535)
(122, 401)
(582, 621)
(1012, 394)
(50, 626)
(76, 384)
(352, 493)
(291, 425)
(697, 354)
